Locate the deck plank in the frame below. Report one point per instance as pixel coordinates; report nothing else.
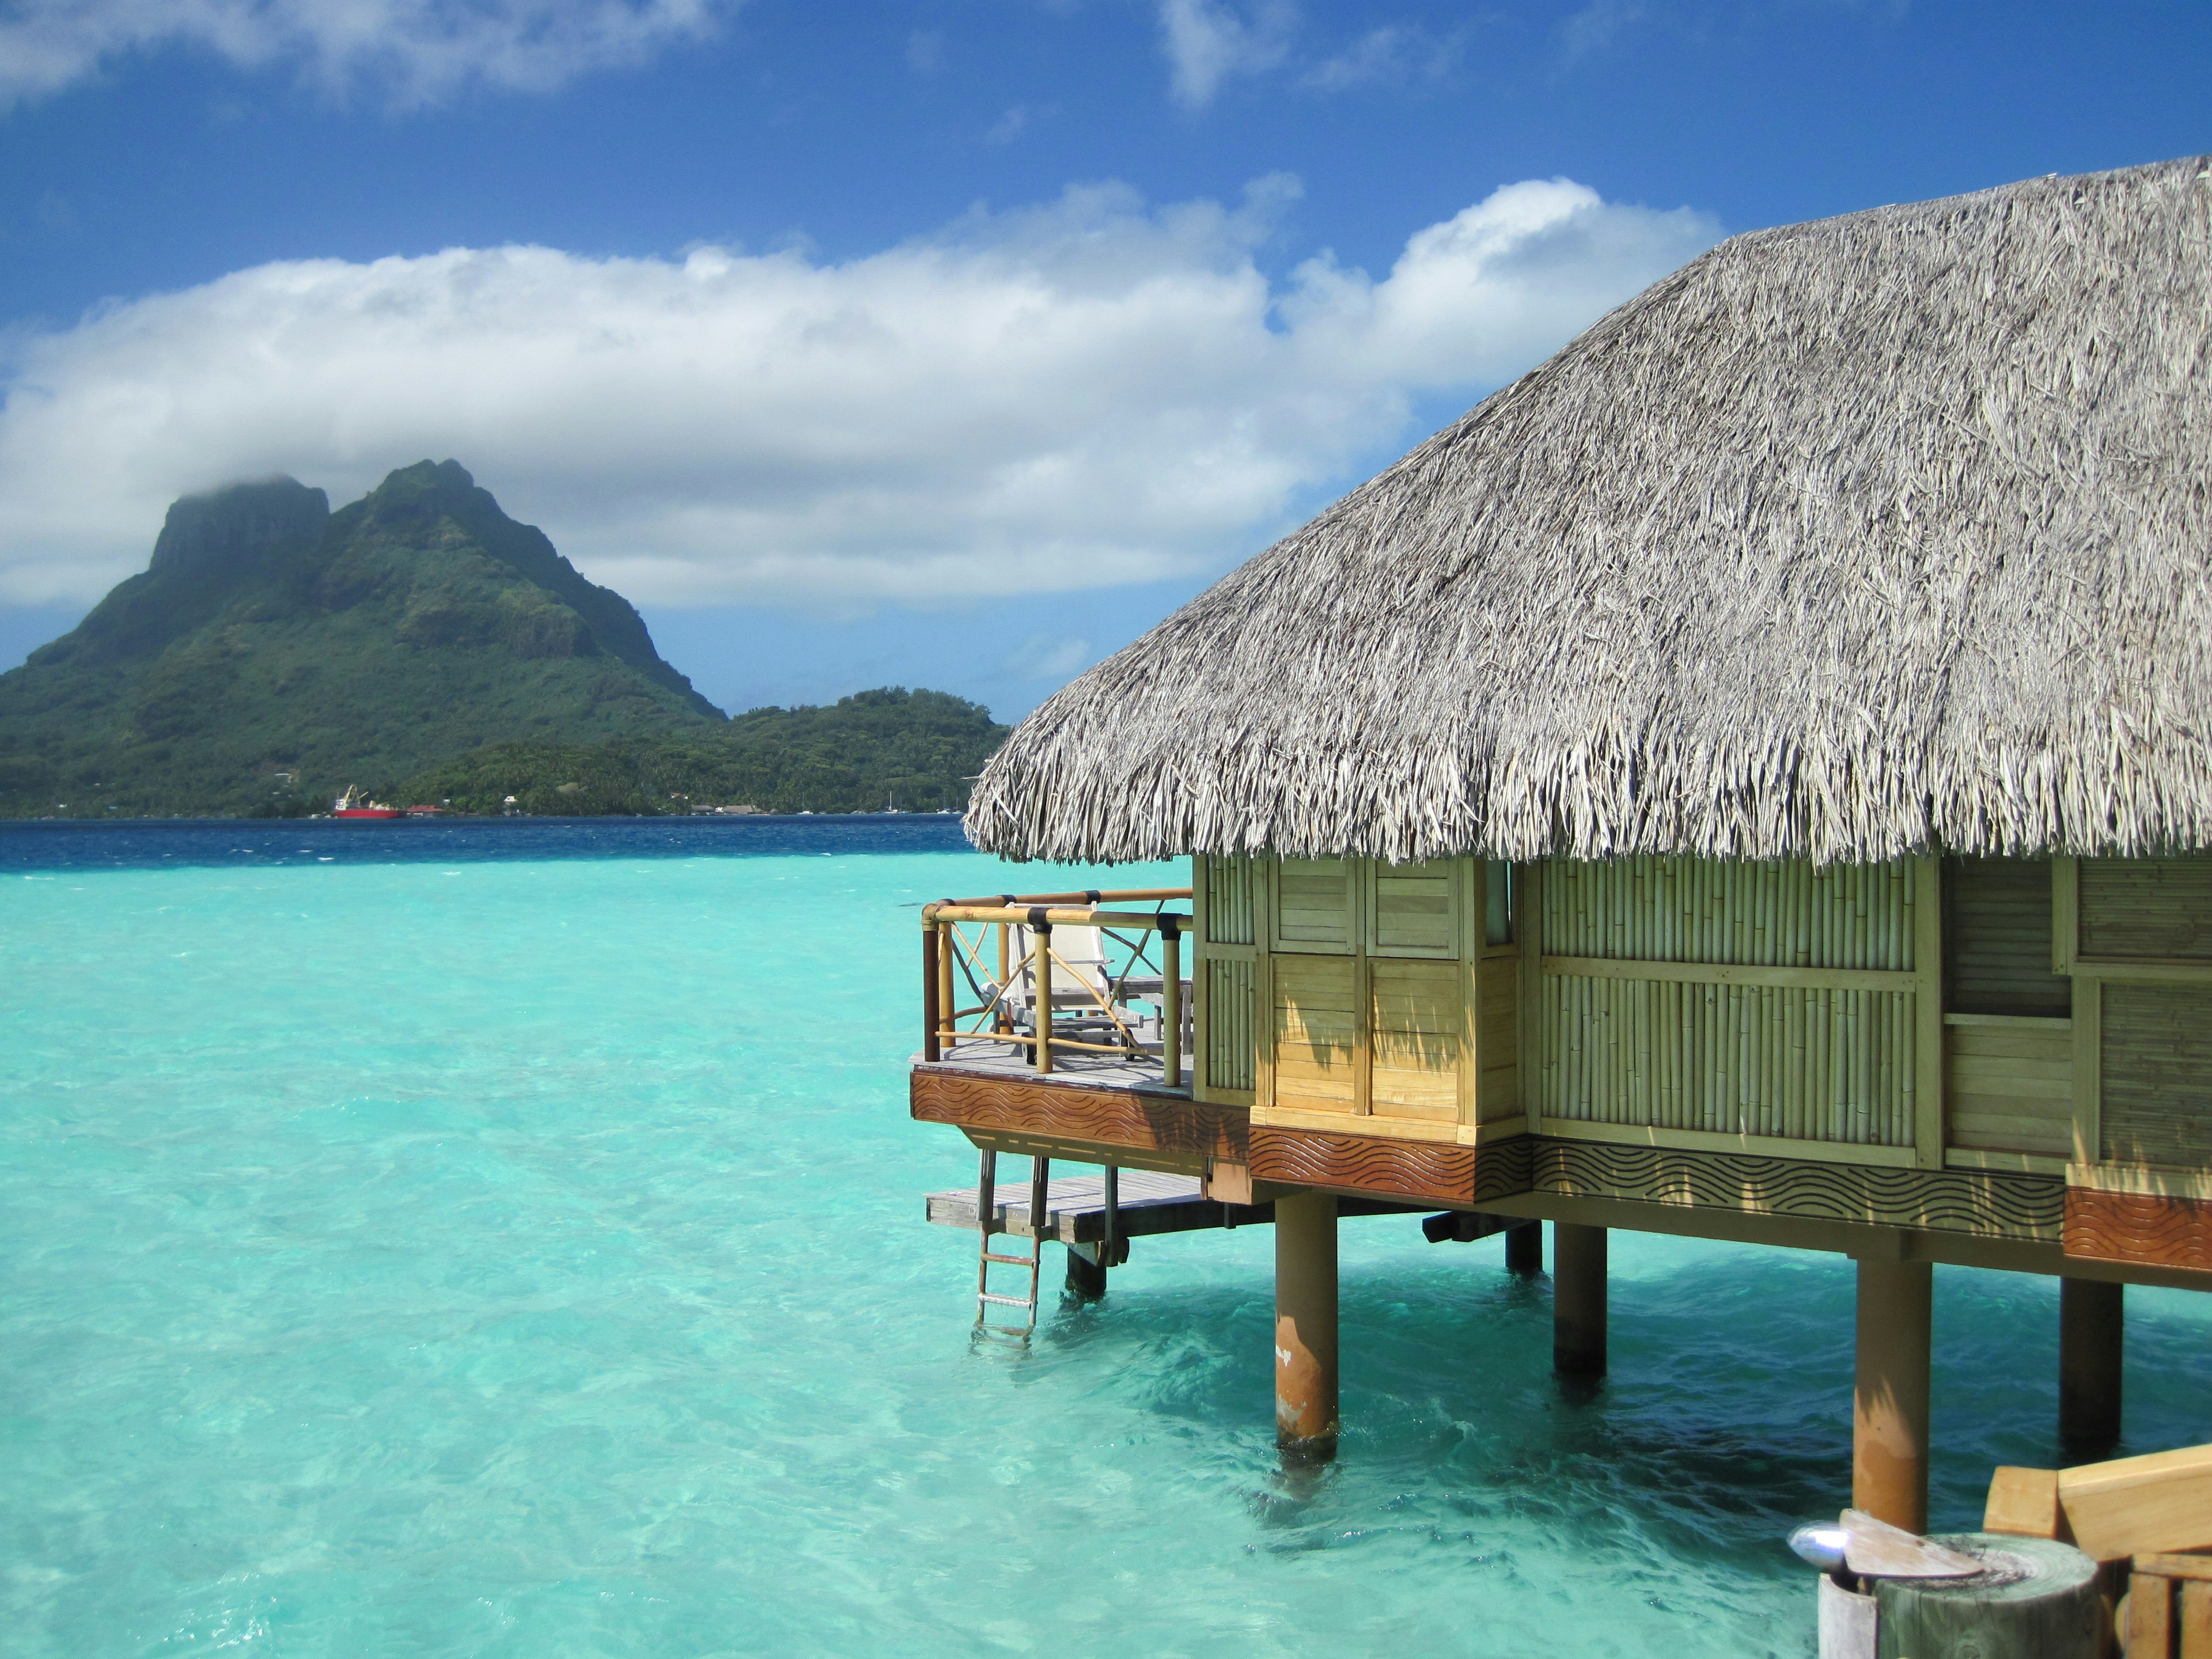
(1151, 1203)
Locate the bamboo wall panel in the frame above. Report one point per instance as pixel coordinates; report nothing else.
(2159, 909)
(1416, 1021)
(1229, 913)
(1497, 1040)
(1316, 1018)
(2155, 1056)
(1313, 905)
(2011, 1088)
(1416, 909)
(1997, 939)
(1703, 910)
(1800, 1063)
(1230, 1042)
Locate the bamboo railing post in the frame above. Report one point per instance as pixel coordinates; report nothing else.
(931, 1009)
(948, 999)
(1040, 986)
(1171, 1002)
(1005, 1022)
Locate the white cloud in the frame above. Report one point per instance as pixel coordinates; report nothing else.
(416, 50)
(1207, 41)
(925, 51)
(1395, 54)
(1047, 657)
(1598, 25)
(1076, 396)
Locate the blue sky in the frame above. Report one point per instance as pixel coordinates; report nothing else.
(942, 344)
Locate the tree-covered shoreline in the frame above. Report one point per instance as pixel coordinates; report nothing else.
(421, 647)
(912, 749)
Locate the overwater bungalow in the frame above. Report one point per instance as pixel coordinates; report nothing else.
(1750, 778)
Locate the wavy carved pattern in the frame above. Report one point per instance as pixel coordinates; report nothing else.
(1399, 1168)
(1974, 1201)
(2142, 1228)
(1057, 1111)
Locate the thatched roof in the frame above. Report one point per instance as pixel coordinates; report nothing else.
(1852, 538)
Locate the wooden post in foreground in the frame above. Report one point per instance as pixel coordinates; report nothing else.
(1305, 1325)
(1578, 1299)
(2091, 1320)
(2044, 1605)
(1889, 1407)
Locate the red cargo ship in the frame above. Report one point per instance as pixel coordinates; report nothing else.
(354, 805)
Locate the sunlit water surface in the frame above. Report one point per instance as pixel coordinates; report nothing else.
(508, 1239)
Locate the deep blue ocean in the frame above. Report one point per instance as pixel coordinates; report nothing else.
(507, 1238)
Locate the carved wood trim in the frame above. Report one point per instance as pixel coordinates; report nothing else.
(1985, 1204)
(1437, 1172)
(1127, 1118)
(2148, 1230)
(2118, 1227)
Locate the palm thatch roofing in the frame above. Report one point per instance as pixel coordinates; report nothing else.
(1876, 535)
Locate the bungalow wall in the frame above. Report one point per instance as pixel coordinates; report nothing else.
(2135, 937)
(1335, 989)
(2008, 1014)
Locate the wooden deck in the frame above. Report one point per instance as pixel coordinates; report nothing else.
(1151, 1204)
(1071, 1068)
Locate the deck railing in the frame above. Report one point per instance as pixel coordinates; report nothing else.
(1021, 991)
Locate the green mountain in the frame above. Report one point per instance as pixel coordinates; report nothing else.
(274, 652)
(913, 749)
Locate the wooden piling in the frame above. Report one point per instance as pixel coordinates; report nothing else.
(2091, 1323)
(1305, 1325)
(1889, 1407)
(1086, 1271)
(1578, 1299)
(1524, 1248)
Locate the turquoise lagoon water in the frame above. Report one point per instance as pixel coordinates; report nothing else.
(508, 1240)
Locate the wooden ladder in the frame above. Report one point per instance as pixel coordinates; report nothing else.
(986, 1207)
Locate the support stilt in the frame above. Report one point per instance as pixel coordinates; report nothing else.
(1524, 1248)
(1578, 1299)
(1305, 1325)
(2091, 1321)
(1086, 1271)
(1889, 1409)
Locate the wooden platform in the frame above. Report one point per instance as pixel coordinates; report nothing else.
(1071, 1068)
(1151, 1204)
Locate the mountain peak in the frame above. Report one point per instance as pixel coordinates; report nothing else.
(228, 528)
(271, 636)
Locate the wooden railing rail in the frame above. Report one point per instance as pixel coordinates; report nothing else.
(956, 940)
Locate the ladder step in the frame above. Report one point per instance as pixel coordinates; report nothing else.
(1003, 1301)
(1010, 1260)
